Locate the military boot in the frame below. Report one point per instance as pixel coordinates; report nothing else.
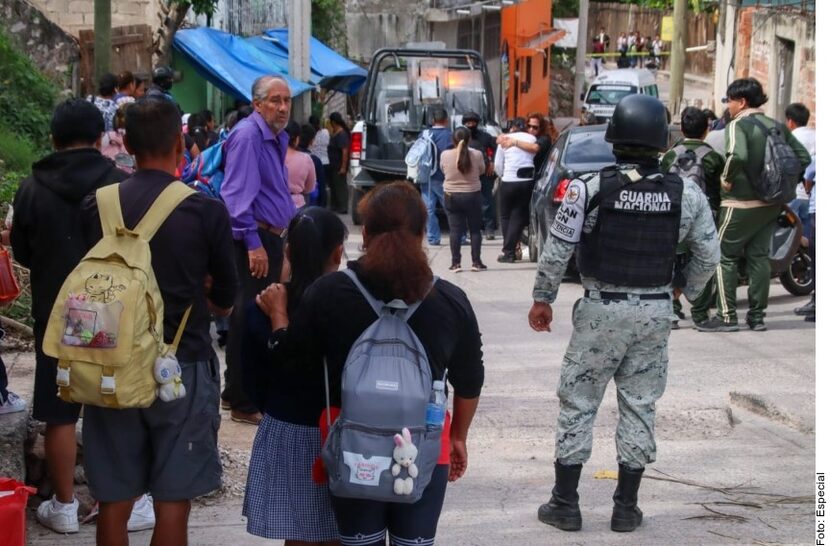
(626, 516)
(562, 510)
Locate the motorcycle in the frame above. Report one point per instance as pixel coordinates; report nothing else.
(788, 256)
(789, 259)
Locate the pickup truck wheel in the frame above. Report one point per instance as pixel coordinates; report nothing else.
(354, 201)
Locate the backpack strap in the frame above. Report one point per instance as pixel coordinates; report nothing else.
(109, 209)
(378, 305)
(702, 150)
(764, 129)
(162, 207)
(175, 345)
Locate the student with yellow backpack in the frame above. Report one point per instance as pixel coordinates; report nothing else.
(130, 328)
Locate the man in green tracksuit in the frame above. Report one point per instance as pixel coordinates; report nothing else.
(746, 223)
(694, 159)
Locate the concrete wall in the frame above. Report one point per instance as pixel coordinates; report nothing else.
(757, 55)
(75, 15)
(372, 24)
(52, 50)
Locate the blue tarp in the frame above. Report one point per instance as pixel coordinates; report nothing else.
(333, 70)
(231, 63)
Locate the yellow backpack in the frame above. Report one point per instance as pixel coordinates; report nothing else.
(107, 324)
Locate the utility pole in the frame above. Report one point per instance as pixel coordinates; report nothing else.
(581, 46)
(725, 49)
(678, 56)
(299, 55)
(102, 25)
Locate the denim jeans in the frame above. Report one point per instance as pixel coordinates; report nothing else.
(801, 208)
(488, 206)
(432, 194)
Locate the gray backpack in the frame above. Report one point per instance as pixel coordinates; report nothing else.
(689, 163)
(385, 386)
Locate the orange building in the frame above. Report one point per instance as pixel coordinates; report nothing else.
(527, 34)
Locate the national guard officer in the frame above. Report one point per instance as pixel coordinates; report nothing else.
(627, 220)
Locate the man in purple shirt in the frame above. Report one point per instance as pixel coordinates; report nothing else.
(255, 190)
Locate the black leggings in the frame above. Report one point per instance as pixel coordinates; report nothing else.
(365, 523)
(463, 211)
(514, 205)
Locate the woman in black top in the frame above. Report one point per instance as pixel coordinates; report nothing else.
(333, 314)
(537, 125)
(281, 500)
(338, 151)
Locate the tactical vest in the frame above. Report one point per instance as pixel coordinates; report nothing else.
(635, 237)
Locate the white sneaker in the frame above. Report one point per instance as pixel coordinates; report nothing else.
(142, 516)
(59, 517)
(13, 404)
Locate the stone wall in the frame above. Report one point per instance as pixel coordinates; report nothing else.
(50, 48)
(77, 15)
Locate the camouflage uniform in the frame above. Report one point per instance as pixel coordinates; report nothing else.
(627, 339)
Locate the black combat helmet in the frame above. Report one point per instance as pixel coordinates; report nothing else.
(163, 77)
(639, 120)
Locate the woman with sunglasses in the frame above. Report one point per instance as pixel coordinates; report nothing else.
(514, 164)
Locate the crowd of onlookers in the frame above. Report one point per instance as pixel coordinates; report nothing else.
(219, 256)
(245, 251)
(629, 50)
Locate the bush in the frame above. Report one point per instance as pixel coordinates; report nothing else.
(27, 97)
(17, 153)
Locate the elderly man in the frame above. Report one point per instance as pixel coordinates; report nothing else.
(256, 193)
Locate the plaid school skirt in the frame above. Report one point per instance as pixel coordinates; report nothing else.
(281, 500)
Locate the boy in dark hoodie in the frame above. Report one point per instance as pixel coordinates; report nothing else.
(46, 237)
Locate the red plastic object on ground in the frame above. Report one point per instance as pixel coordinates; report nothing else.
(13, 498)
(9, 289)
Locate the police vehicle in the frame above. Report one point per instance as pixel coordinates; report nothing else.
(403, 87)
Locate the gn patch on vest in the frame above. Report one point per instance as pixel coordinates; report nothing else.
(567, 224)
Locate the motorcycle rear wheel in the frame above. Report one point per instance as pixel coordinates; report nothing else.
(798, 278)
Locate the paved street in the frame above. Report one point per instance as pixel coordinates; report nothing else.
(726, 474)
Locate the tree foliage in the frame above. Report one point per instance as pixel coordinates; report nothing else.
(328, 23)
(26, 96)
(171, 16)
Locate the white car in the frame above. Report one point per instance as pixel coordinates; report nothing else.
(608, 89)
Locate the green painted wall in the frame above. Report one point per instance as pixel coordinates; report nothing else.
(194, 93)
(191, 91)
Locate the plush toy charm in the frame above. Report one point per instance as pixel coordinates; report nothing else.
(168, 375)
(404, 454)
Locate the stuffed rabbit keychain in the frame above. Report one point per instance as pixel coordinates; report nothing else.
(404, 454)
